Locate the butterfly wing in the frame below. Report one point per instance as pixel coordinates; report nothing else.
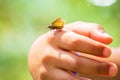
(58, 23)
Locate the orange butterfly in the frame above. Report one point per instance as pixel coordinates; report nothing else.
(57, 24)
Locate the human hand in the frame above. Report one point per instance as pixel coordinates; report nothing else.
(53, 55)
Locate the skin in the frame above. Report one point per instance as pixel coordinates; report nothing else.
(80, 47)
(115, 56)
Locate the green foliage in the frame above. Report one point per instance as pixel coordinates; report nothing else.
(22, 21)
(14, 67)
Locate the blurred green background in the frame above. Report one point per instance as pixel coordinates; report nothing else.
(22, 21)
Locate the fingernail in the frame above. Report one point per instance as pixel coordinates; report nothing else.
(113, 70)
(107, 35)
(108, 38)
(106, 52)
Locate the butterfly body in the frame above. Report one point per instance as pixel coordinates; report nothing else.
(57, 24)
(55, 27)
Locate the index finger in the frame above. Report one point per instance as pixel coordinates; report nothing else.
(74, 42)
(91, 30)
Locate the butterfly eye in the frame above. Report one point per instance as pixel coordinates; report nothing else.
(57, 24)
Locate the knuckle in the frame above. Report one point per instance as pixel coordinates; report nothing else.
(97, 26)
(47, 59)
(74, 43)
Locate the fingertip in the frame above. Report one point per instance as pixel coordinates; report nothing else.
(113, 69)
(107, 52)
(101, 37)
(107, 38)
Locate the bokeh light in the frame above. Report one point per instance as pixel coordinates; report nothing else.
(102, 2)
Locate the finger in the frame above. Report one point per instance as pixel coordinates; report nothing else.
(50, 70)
(71, 41)
(90, 30)
(59, 74)
(80, 64)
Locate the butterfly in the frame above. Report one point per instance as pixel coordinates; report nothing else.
(57, 24)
